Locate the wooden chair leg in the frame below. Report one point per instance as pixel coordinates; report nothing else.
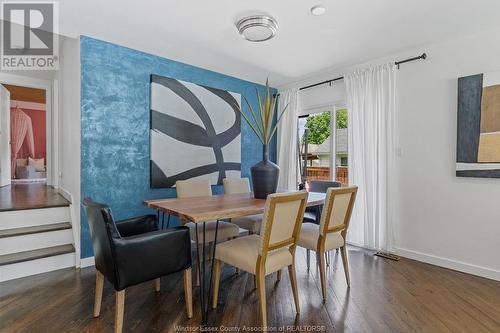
(188, 292)
(278, 276)
(99, 284)
(293, 281)
(157, 284)
(261, 287)
(119, 310)
(343, 249)
(322, 272)
(215, 296)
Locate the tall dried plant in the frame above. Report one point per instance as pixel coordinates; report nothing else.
(262, 121)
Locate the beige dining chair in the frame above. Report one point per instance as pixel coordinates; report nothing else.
(268, 252)
(237, 186)
(331, 233)
(202, 188)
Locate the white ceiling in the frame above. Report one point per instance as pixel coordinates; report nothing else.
(202, 32)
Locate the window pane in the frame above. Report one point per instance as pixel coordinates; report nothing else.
(318, 148)
(341, 151)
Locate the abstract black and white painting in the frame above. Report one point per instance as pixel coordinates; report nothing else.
(478, 126)
(195, 132)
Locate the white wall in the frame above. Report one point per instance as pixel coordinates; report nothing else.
(440, 219)
(69, 129)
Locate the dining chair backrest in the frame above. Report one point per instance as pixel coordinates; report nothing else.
(337, 210)
(193, 188)
(236, 185)
(322, 185)
(283, 214)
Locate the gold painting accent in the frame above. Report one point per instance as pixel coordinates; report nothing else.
(489, 147)
(490, 110)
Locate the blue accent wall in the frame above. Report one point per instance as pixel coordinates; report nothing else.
(115, 100)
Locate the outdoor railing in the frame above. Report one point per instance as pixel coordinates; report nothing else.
(323, 173)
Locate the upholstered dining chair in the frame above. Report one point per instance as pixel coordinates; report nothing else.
(268, 252)
(226, 230)
(331, 233)
(133, 251)
(241, 185)
(313, 214)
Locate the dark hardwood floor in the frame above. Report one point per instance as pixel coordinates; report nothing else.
(385, 296)
(30, 196)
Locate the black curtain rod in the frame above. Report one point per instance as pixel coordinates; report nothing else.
(423, 56)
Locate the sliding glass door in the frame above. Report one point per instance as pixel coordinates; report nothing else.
(341, 142)
(317, 126)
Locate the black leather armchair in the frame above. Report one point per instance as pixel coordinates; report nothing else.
(313, 214)
(133, 251)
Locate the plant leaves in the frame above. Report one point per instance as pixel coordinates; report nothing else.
(251, 125)
(261, 111)
(254, 116)
(262, 124)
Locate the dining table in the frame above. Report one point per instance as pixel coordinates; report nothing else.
(202, 209)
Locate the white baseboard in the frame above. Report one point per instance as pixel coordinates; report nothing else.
(486, 272)
(65, 193)
(87, 262)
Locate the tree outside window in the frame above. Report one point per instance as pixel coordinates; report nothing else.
(319, 125)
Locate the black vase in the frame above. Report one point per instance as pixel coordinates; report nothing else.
(265, 176)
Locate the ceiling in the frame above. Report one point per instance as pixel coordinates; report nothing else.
(202, 33)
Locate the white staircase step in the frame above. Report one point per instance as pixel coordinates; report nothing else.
(34, 241)
(13, 258)
(34, 229)
(33, 217)
(28, 263)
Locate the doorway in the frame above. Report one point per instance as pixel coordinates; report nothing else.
(33, 96)
(28, 137)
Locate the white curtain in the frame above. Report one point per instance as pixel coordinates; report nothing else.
(287, 140)
(371, 105)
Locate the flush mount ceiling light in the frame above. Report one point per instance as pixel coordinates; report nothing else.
(257, 28)
(318, 10)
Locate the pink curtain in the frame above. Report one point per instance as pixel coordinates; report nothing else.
(21, 129)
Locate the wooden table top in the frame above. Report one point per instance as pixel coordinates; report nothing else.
(218, 207)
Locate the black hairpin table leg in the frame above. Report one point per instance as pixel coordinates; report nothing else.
(204, 302)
